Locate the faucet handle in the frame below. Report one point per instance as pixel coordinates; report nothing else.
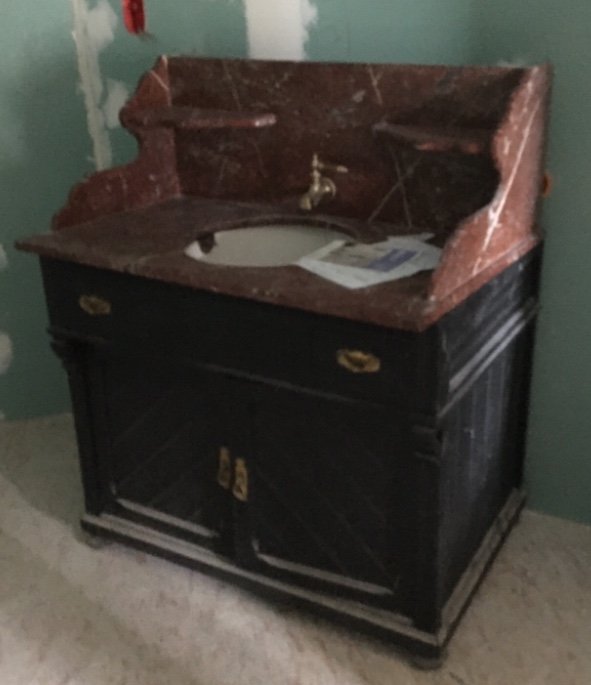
(318, 165)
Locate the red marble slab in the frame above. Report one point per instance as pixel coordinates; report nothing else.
(195, 119)
(432, 139)
(457, 151)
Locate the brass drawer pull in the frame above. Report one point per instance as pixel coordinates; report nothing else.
(95, 306)
(357, 361)
(224, 468)
(240, 489)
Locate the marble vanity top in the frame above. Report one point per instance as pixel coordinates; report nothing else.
(150, 242)
(456, 151)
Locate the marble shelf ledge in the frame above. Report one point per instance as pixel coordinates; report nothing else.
(469, 141)
(194, 118)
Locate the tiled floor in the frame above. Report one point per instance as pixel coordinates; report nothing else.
(70, 615)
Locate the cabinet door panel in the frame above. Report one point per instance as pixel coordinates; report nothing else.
(329, 493)
(163, 429)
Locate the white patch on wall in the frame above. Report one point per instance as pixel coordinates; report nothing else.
(279, 29)
(5, 353)
(94, 30)
(3, 258)
(117, 96)
(13, 136)
(517, 62)
(5, 342)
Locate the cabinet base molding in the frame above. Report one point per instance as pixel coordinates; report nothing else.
(394, 628)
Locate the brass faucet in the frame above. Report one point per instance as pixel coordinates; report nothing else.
(321, 186)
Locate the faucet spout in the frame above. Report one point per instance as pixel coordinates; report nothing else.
(321, 186)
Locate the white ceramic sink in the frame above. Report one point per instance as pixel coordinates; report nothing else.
(273, 244)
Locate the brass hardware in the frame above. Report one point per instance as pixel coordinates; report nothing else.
(240, 489)
(357, 361)
(321, 186)
(224, 468)
(95, 306)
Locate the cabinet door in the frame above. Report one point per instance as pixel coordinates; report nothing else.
(329, 502)
(163, 440)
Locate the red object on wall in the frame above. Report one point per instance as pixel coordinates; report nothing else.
(134, 16)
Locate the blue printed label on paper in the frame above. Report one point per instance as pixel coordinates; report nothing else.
(391, 260)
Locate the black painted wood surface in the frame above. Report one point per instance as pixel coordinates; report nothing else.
(374, 487)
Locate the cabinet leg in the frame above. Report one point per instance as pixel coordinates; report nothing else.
(428, 663)
(93, 541)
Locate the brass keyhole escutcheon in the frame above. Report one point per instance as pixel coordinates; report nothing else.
(94, 305)
(224, 476)
(240, 490)
(357, 361)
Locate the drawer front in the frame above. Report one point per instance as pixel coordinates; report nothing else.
(179, 325)
(79, 300)
(241, 336)
(374, 364)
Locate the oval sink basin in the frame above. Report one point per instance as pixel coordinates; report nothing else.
(273, 244)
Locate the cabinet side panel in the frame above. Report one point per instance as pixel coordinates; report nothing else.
(482, 456)
(466, 330)
(486, 367)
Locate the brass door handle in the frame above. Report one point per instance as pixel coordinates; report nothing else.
(224, 476)
(240, 489)
(94, 305)
(240, 475)
(357, 361)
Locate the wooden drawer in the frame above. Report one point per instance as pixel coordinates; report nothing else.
(191, 327)
(374, 364)
(81, 300)
(269, 343)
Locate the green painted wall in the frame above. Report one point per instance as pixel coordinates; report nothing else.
(559, 454)
(44, 148)
(425, 31)
(559, 461)
(213, 28)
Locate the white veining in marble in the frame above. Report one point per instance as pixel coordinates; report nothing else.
(70, 615)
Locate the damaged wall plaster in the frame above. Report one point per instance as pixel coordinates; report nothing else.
(117, 96)
(6, 353)
(5, 342)
(279, 30)
(94, 30)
